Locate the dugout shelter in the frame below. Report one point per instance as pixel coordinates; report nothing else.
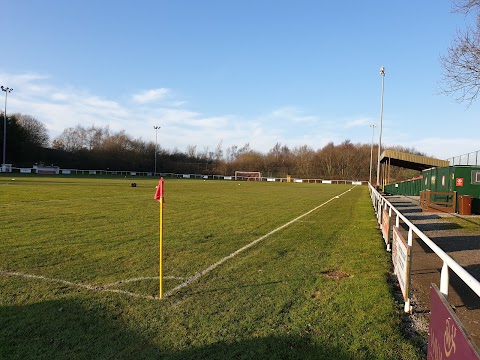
(407, 161)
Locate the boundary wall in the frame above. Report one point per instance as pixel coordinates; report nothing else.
(183, 176)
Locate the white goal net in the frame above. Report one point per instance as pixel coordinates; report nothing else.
(248, 175)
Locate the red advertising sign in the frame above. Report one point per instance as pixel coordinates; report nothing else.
(46, 171)
(386, 226)
(447, 339)
(459, 181)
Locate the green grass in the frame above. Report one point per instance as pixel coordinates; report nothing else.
(272, 301)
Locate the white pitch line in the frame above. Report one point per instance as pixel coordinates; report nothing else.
(235, 253)
(39, 277)
(187, 282)
(84, 286)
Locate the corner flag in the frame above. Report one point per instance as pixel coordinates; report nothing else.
(159, 191)
(159, 197)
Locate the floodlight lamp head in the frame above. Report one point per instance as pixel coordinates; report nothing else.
(382, 71)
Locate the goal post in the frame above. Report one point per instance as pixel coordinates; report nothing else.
(248, 175)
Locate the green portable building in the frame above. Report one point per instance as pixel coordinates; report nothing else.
(465, 180)
(410, 187)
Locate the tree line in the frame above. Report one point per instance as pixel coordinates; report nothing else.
(99, 148)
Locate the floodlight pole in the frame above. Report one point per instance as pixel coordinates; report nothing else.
(7, 90)
(371, 152)
(156, 132)
(382, 72)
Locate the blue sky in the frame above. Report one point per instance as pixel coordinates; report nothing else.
(301, 72)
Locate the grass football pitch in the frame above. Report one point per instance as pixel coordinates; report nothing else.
(79, 265)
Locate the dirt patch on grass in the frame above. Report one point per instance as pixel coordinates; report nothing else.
(335, 274)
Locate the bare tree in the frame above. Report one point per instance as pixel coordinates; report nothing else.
(71, 139)
(79, 137)
(192, 151)
(461, 65)
(465, 6)
(95, 136)
(304, 156)
(219, 151)
(35, 130)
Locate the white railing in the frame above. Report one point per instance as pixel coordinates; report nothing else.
(380, 204)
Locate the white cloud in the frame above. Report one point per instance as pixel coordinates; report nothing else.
(59, 97)
(60, 107)
(359, 122)
(152, 95)
(291, 114)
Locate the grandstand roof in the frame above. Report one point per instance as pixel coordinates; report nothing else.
(411, 161)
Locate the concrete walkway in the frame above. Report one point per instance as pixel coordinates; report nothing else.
(459, 237)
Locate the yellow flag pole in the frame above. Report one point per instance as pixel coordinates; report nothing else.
(159, 196)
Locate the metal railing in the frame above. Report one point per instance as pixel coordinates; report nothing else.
(471, 158)
(380, 203)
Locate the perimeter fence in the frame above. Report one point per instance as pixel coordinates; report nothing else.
(471, 158)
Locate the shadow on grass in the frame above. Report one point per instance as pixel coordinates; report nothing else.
(290, 347)
(66, 329)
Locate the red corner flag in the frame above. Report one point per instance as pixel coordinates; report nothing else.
(159, 191)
